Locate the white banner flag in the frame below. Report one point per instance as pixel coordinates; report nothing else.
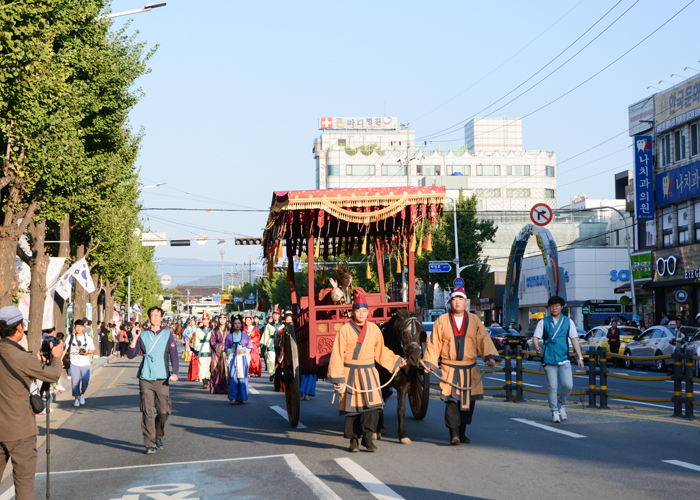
(81, 273)
(52, 273)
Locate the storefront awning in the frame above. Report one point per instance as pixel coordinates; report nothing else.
(663, 284)
(639, 286)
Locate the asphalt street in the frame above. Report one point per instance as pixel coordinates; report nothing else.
(215, 450)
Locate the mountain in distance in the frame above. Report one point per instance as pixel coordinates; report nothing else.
(198, 272)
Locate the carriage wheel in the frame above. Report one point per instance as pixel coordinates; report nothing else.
(419, 393)
(292, 391)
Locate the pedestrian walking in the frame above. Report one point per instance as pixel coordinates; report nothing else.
(202, 347)
(80, 347)
(186, 339)
(268, 341)
(358, 345)
(614, 338)
(219, 367)
(254, 334)
(123, 342)
(238, 347)
(459, 337)
(158, 346)
(554, 330)
(18, 430)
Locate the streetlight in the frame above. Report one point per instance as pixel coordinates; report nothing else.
(676, 74)
(688, 67)
(664, 81)
(652, 87)
(149, 187)
(146, 8)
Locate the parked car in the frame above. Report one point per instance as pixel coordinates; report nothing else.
(506, 336)
(655, 341)
(530, 346)
(598, 337)
(691, 343)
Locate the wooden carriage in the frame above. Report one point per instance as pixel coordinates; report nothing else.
(384, 223)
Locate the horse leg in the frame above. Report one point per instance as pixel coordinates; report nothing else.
(402, 391)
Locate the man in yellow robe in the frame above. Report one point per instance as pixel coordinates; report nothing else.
(358, 344)
(458, 337)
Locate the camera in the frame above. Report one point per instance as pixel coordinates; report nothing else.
(46, 345)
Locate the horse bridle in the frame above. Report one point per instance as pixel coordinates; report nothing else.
(413, 320)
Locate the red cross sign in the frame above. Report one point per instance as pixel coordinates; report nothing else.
(326, 122)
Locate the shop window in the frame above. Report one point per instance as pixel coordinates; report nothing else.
(518, 169)
(683, 237)
(665, 150)
(392, 170)
(694, 138)
(428, 169)
(679, 145)
(549, 193)
(549, 171)
(333, 169)
(360, 170)
(667, 240)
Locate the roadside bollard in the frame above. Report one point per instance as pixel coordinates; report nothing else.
(602, 354)
(507, 369)
(592, 368)
(689, 394)
(677, 380)
(518, 374)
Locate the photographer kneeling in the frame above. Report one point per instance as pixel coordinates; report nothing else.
(18, 430)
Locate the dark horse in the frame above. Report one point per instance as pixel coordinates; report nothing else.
(404, 334)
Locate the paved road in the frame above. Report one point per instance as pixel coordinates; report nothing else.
(214, 450)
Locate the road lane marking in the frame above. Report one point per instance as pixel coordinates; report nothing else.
(549, 428)
(10, 493)
(253, 390)
(284, 414)
(641, 403)
(378, 489)
(679, 464)
(501, 380)
(115, 379)
(320, 489)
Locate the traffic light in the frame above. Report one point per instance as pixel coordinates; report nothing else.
(248, 241)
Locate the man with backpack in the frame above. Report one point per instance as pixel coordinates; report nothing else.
(80, 347)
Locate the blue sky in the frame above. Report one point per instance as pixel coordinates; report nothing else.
(232, 104)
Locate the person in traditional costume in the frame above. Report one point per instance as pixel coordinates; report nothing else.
(187, 339)
(193, 371)
(252, 331)
(268, 340)
(202, 347)
(307, 386)
(343, 292)
(358, 345)
(238, 347)
(458, 337)
(219, 366)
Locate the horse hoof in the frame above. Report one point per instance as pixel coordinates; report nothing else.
(405, 440)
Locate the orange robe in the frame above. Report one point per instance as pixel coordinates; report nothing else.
(352, 362)
(459, 367)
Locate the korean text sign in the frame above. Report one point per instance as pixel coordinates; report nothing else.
(643, 175)
(678, 184)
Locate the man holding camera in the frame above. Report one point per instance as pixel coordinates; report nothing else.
(157, 344)
(80, 346)
(18, 430)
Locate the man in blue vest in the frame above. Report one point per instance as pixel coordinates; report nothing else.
(157, 344)
(554, 331)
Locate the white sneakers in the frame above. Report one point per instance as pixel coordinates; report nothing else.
(556, 417)
(82, 400)
(77, 403)
(562, 413)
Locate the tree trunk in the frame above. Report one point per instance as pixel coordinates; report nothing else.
(61, 306)
(38, 264)
(81, 296)
(93, 301)
(8, 272)
(110, 290)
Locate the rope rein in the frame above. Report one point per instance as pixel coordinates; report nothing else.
(459, 388)
(344, 387)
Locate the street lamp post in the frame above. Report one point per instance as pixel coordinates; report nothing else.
(146, 8)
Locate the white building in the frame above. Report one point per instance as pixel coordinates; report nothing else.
(492, 164)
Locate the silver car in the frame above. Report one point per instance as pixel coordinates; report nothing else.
(691, 344)
(654, 341)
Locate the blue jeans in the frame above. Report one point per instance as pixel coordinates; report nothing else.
(79, 377)
(567, 383)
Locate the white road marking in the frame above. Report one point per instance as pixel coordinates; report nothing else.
(378, 489)
(549, 428)
(10, 493)
(253, 390)
(284, 414)
(322, 491)
(641, 403)
(502, 380)
(678, 463)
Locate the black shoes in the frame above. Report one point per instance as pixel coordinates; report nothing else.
(367, 443)
(454, 437)
(354, 447)
(462, 437)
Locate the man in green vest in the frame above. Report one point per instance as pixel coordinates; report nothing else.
(555, 331)
(159, 349)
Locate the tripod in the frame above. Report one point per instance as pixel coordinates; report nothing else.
(46, 392)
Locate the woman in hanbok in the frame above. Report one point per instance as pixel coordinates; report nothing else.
(193, 372)
(219, 367)
(238, 347)
(254, 335)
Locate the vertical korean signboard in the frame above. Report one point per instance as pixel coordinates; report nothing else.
(643, 177)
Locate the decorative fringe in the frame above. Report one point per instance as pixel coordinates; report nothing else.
(317, 250)
(405, 256)
(428, 244)
(420, 249)
(279, 249)
(290, 270)
(369, 271)
(364, 245)
(398, 265)
(413, 243)
(323, 276)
